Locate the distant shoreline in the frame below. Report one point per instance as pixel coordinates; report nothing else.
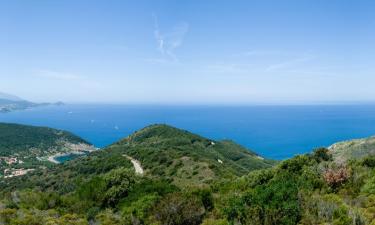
(273, 132)
(53, 159)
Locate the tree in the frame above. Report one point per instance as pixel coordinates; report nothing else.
(322, 154)
(176, 209)
(119, 182)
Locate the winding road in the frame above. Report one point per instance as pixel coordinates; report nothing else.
(137, 165)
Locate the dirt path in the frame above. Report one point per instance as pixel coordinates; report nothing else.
(137, 165)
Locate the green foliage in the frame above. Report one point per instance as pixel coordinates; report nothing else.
(369, 186)
(273, 203)
(118, 184)
(259, 177)
(215, 222)
(15, 138)
(354, 149)
(185, 184)
(29, 147)
(66, 177)
(205, 196)
(322, 154)
(177, 209)
(93, 190)
(186, 158)
(108, 217)
(369, 161)
(37, 217)
(139, 209)
(296, 164)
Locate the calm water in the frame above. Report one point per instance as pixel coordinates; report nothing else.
(273, 131)
(64, 158)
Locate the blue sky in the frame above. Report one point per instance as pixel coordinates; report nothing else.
(188, 52)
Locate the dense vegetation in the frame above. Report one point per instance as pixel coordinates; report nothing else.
(188, 159)
(15, 138)
(102, 188)
(28, 147)
(358, 148)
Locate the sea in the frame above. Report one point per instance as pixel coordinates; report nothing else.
(276, 132)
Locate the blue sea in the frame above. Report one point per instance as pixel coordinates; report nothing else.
(67, 157)
(276, 132)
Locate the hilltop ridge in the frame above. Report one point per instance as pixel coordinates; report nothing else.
(187, 158)
(353, 149)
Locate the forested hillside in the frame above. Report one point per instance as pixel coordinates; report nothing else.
(27, 148)
(188, 159)
(15, 138)
(191, 180)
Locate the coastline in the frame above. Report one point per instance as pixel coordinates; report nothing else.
(53, 158)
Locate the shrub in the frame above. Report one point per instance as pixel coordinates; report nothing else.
(119, 182)
(107, 217)
(93, 190)
(6, 215)
(335, 177)
(322, 154)
(295, 164)
(215, 222)
(258, 177)
(369, 187)
(206, 198)
(276, 202)
(176, 209)
(138, 210)
(369, 161)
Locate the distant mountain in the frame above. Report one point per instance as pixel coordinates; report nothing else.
(6, 96)
(10, 103)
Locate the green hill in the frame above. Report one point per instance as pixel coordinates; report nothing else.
(184, 183)
(15, 138)
(177, 156)
(186, 158)
(25, 148)
(353, 149)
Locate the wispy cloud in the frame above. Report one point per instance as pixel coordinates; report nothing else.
(261, 53)
(71, 79)
(58, 75)
(169, 41)
(270, 53)
(313, 73)
(160, 61)
(229, 68)
(289, 63)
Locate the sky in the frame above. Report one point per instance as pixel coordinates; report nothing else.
(188, 52)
